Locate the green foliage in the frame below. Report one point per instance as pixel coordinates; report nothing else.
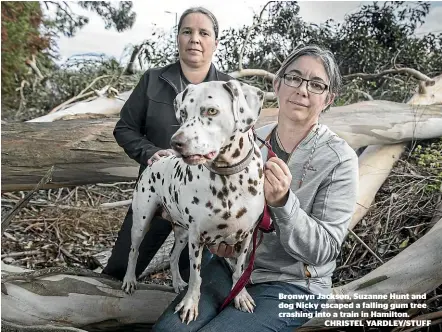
(371, 40)
(121, 18)
(67, 22)
(20, 39)
(428, 155)
(374, 38)
(158, 50)
(269, 43)
(26, 32)
(68, 81)
(380, 37)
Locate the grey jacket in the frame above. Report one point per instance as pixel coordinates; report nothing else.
(311, 227)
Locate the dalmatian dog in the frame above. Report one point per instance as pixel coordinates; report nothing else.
(211, 191)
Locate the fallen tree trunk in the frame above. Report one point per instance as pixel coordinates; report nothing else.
(81, 152)
(65, 299)
(375, 165)
(103, 105)
(378, 122)
(85, 152)
(68, 299)
(376, 161)
(416, 270)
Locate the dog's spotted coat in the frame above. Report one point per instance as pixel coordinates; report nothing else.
(205, 208)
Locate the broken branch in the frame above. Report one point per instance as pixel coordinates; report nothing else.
(409, 71)
(26, 199)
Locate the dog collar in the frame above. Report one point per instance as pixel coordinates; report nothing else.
(236, 168)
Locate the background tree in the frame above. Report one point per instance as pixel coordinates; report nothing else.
(68, 23)
(371, 40)
(20, 39)
(29, 36)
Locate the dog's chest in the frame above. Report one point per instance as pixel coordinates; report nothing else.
(213, 203)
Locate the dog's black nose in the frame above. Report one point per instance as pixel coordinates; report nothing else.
(176, 145)
(177, 142)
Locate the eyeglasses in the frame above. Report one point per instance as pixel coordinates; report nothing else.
(312, 86)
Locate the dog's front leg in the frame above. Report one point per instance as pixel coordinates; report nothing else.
(181, 238)
(243, 301)
(189, 304)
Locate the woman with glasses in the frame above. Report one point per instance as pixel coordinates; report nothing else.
(310, 188)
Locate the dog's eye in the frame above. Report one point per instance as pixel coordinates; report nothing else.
(183, 115)
(212, 111)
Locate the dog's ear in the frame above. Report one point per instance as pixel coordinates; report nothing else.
(180, 112)
(176, 107)
(247, 103)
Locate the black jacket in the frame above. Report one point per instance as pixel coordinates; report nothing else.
(147, 119)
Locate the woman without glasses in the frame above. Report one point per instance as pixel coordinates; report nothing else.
(148, 122)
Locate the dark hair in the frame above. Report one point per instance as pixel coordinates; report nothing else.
(327, 59)
(200, 10)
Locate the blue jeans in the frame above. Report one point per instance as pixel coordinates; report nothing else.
(216, 284)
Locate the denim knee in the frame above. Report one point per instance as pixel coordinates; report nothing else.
(172, 323)
(166, 324)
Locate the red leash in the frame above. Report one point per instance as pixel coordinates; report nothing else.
(265, 226)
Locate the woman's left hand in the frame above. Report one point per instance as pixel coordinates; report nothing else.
(277, 182)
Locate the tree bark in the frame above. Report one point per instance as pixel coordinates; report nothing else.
(375, 165)
(378, 122)
(376, 161)
(415, 270)
(85, 151)
(68, 299)
(81, 152)
(130, 70)
(102, 106)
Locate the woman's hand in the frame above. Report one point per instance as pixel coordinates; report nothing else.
(223, 250)
(160, 154)
(277, 182)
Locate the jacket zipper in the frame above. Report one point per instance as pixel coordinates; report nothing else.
(173, 85)
(170, 83)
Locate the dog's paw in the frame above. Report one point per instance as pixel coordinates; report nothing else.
(244, 302)
(188, 307)
(179, 285)
(129, 284)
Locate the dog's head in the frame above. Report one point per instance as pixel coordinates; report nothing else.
(211, 113)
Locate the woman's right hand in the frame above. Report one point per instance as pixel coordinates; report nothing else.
(160, 154)
(223, 250)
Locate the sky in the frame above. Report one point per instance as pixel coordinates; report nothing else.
(93, 38)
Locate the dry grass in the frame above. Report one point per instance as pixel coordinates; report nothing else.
(401, 214)
(65, 227)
